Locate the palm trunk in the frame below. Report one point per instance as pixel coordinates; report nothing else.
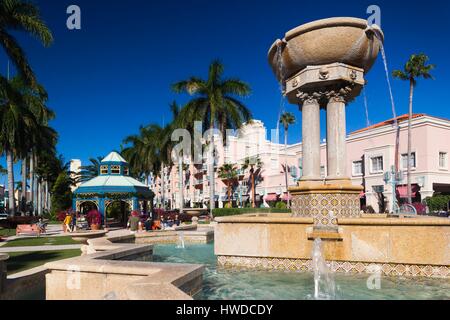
(32, 181)
(180, 169)
(49, 198)
(285, 167)
(46, 195)
(23, 199)
(253, 189)
(10, 167)
(230, 202)
(411, 94)
(212, 202)
(35, 179)
(39, 198)
(163, 195)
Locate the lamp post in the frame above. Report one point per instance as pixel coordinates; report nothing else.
(393, 178)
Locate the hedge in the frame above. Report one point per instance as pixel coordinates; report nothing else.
(237, 211)
(438, 203)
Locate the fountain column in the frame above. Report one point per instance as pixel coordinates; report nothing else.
(336, 136)
(309, 105)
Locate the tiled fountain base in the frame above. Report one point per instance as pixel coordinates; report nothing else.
(326, 203)
(280, 264)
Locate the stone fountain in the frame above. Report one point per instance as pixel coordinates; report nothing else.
(322, 65)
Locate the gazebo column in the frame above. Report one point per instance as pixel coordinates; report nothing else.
(135, 203)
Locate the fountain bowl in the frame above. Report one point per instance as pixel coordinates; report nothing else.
(346, 40)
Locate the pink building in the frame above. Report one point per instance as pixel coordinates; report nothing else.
(370, 154)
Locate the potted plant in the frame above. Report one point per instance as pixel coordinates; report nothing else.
(95, 219)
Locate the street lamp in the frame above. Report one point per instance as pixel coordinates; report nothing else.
(393, 178)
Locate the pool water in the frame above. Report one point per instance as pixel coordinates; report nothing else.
(224, 284)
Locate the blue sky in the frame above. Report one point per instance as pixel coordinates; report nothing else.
(114, 75)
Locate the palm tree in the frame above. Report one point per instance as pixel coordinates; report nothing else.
(229, 173)
(90, 171)
(19, 15)
(17, 125)
(41, 136)
(254, 164)
(286, 120)
(416, 67)
(215, 102)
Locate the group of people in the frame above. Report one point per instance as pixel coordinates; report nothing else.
(70, 221)
(136, 224)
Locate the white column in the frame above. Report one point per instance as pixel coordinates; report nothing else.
(311, 139)
(336, 139)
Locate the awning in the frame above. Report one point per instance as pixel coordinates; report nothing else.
(285, 197)
(271, 197)
(402, 191)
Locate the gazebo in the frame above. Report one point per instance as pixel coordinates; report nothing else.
(113, 184)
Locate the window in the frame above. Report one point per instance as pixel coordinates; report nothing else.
(405, 160)
(104, 170)
(378, 189)
(443, 160)
(357, 168)
(376, 164)
(126, 171)
(274, 164)
(115, 169)
(323, 173)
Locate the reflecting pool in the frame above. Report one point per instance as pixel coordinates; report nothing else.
(224, 284)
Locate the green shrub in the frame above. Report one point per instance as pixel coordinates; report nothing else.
(238, 211)
(281, 205)
(61, 193)
(438, 203)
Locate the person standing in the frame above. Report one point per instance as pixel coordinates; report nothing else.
(67, 222)
(133, 222)
(73, 222)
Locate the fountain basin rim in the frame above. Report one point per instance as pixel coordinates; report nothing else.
(322, 24)
(415, 221)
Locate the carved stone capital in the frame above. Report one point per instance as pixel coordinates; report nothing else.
(309, 97)
(343, 94)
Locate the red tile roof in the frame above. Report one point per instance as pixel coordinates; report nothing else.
(390, 122)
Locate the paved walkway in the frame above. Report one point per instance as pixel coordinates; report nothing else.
(40, 248)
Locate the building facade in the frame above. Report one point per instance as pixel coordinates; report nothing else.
(370, 154)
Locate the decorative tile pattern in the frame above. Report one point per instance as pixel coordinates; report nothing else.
(321, 205)
(278, 264)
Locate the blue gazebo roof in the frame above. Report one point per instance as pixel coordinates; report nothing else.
(113, 178)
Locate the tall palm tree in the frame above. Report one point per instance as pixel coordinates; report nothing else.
(254, 165)
(41, 137)
(17, 125)
(286, 120)
(229, 173)
(148, 153)
(216, 103)
(416, 67)
(19, 15)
